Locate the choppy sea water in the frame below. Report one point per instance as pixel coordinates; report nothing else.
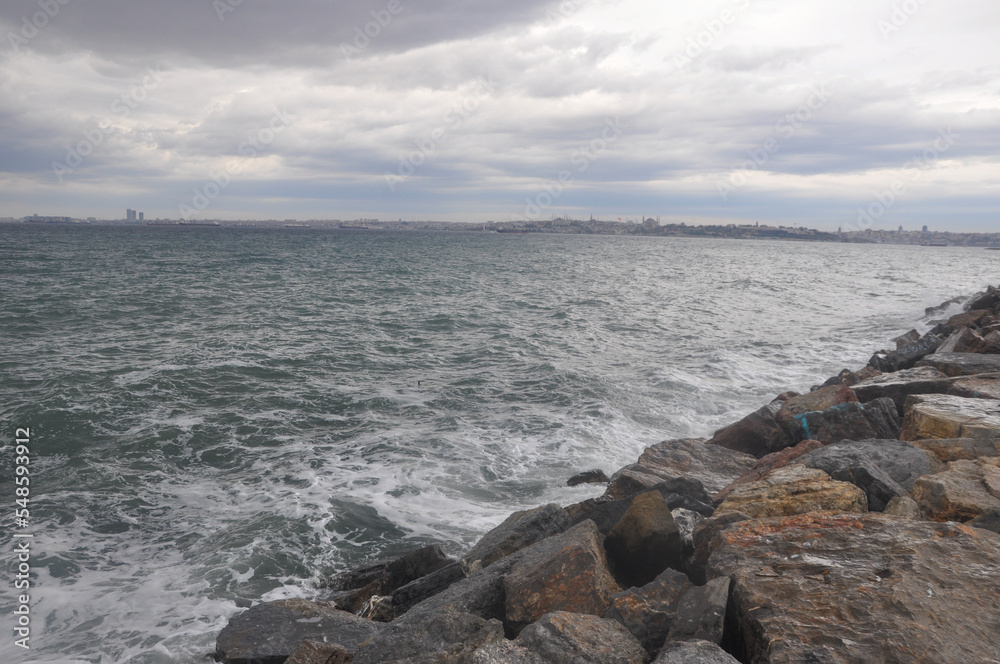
(222, 415)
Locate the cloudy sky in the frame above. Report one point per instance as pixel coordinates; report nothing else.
(856, 113)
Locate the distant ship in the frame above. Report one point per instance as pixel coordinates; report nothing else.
(199, 223)
(354, 228)
(933, 244)
(513, 230)
(297, 226)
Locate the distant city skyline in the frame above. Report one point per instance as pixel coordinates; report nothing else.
(859, 114)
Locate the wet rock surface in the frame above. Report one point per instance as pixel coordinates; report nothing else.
(687, 458)
(521, 529)
(964, 491)
(645, 541)
(835, 589)
(650, 611)
(848, 421)
(946, 416)
(794, 489)
(962, 364)
(574, 638)
(694, 652)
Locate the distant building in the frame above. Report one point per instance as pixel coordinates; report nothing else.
(35, 219)
(142, 216)
(901, 228)
(925, 229)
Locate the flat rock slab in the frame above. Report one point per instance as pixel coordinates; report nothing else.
(270, 633)
(848, 421)
(701, 612)
(766, 464)
(690, 458)
(962, 492)
(962, 364)
(899, 385)
(450, 636)
(574, 638)
(981, 386)
(566, 572)
(794, 489)
(945, 416)
(317, 652)
(845, 589)
(955, 449)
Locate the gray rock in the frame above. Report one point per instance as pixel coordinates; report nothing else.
(317, 652)
(270, 632)
(756, 435)
(694, 652)
(689, 458)
(988, 520)
(848, 421)
(505, 652)
(650, 611)
(907, 356)
(384, 577)
(899, 385)
(574, 638)
(903, 507)
(405, 597)
(645, 541)
(883, 469)
(687, 521)
(844, 589)
(521, 529)
(588, 477)
(450, 636)
(705, 534)
(606, 512)
(701, 613)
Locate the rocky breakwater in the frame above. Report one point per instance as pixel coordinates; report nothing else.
(855, 523)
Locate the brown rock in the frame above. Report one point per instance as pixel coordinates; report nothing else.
(961, 493)
(564, 572)
(504, 652)
(991, 341)
(821, 399)
(981, 386)
(384, 577)
(848, 421)
(851, 589)
(765, 465)
(704, 539)
(903, 507)
(649, 612)
(757, 434)
(519, 530)
(791, 490)
(945, 416)
(645, 541)
(962, 364)
(573, 638)
(962, 340)
(969, 318)
(701, 612)
(450, 636)
(318, 652)
(955, 449)
(688, 458)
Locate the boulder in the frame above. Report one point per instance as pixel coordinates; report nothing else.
(991, 340)
(704, 537)
(449, 636)
(903, 507)
(756, 435)
(969, 318)
(962, 492)
(846, 589)
(820, 400)
(899, 385)
(766, 464)
(955, 449)
(519, 530)
(794, 489)
(686, 458)
(645, 541)
(962, 340)
(650, 611)
(679, 493)
(941, 308)
(850, 378)
(904, 340)
(848, 421)
(945, 416)
(574, 638)
(588, 477)
(694, 652)
(384, 577)
(985, 300)
(980, 386)
(568, 571)
(701, 612)
(907, 356)
(270, 633)
(317, 652)
(962, 364)
(405, 597)
(883, 469)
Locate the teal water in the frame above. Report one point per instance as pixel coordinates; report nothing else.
(224, 415)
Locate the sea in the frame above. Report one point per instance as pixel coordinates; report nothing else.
(221, 416)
